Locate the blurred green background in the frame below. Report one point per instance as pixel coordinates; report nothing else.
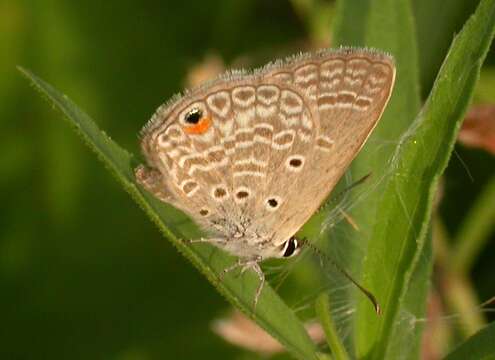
(83, 272)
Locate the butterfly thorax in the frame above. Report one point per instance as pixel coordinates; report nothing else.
(244, 238)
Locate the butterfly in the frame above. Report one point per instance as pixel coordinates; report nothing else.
(250, 156)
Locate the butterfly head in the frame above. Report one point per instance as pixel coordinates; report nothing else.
(289, 248)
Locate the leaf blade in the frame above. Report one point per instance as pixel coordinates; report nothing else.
(421, 158)
(350, 22)
(271, 313)
(477, 347)
(389, 27)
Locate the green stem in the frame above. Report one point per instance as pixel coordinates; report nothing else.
(323, 356)
(458, 291)
(475, 230)
(334, 343)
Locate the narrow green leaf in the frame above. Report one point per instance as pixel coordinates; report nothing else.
(407, 331)
(404, 211)
(389, 27)
(349, 25)
(271, 312)
(480, 346)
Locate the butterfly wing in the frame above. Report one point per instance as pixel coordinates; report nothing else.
(348, 89)
(268, 147)
(253, 133)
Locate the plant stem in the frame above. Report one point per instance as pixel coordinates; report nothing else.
(457, 289)
(334, 343)
(475, 230)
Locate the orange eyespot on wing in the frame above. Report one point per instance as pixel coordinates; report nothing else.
(200, 128)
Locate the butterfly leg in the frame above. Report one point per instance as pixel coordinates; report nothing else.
(257, 269)
(237, 264)
(246, 264)
(206, 240)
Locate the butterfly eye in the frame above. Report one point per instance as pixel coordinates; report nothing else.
(193, 116)
(291, 247)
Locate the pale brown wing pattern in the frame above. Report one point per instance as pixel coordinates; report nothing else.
(349, 90)
(225, 174)
(270, 145)
(291, 148)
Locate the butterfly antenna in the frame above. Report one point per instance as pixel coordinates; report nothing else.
(366, 292)
(343, 192)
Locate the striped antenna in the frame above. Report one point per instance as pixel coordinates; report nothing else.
(366, 292)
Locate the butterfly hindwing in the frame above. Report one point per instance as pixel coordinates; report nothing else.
(348, 89)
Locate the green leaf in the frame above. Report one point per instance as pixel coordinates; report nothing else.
(350, 22)
(480, 346)
(407, 331)
(404, 207)
(271, 312)
(387, 25)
